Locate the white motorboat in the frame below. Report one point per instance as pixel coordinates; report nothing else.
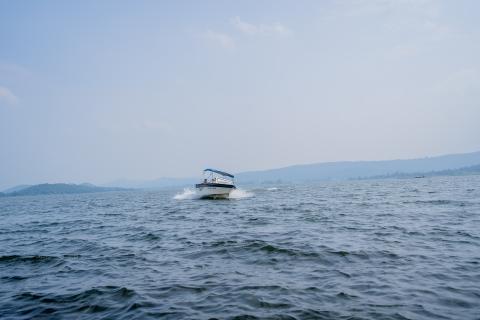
(216, 184)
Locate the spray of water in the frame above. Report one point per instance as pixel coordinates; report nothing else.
(187, 193)
(191, 194)
(240, 194)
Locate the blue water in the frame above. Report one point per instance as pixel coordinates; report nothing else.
(383, 249)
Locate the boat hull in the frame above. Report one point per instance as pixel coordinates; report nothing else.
(213, 190)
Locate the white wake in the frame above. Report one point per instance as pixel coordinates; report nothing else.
(191, 194)
(240, 194)
(187, 193)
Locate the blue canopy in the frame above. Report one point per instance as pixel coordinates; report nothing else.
(220, 172)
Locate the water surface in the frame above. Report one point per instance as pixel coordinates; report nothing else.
(383, 249)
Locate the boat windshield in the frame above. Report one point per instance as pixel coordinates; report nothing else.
(216, 176)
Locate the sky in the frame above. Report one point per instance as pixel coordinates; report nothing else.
(95, 91)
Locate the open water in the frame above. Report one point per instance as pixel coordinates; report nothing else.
(380, 249)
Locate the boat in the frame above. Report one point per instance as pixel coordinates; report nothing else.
(216, 184)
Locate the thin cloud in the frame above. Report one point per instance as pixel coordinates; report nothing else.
(7, 96)
(463, 82)
(155, 125)
(275, 29)
(437, 31)
(403, 51)
(352, 8)
(419, 17)
(218, 38)
(11, 70)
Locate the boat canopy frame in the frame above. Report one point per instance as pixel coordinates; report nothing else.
(222, 173)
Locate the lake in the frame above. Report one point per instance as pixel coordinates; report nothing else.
(373, 249)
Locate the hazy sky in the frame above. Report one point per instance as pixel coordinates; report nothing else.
(101, 90)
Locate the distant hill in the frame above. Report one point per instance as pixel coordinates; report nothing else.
(60, 188)
(459, 172)
(465, 171)
(454, 164)
(360, 169)
(343, 170)
(16, 188)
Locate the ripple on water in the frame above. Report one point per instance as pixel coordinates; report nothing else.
(393, 249)
(105, 301)
(32, 259)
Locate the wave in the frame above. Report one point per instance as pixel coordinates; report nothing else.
(13, 278)
(30, 259)
(322, 254)
(439, 202)
(107, 300)
(119, 293)
(258, 246)
(191, 194)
